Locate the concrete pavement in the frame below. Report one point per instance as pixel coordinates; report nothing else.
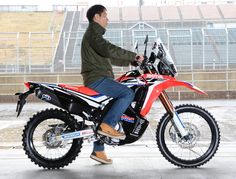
(139, 160)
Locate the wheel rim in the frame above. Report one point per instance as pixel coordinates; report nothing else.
(43, 139)
(197, 146)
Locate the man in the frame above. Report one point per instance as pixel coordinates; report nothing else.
(97, 56)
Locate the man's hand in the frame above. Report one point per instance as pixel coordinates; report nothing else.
(139, 58)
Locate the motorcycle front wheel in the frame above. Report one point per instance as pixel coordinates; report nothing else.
(201, 143)
(39, 139)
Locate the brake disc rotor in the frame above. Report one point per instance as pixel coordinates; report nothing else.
(49, 138)
(189, 141)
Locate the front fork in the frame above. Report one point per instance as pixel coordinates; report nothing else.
(179, 126)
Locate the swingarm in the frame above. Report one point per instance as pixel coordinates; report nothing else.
(74, 135)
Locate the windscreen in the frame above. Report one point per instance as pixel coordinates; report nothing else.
(166, 57)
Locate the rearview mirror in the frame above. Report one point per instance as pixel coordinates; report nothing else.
(136, 46)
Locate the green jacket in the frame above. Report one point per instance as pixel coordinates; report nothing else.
(98, 55)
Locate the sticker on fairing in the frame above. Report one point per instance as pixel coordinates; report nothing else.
(127, 118)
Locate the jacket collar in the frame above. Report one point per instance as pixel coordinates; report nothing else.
(97, 28)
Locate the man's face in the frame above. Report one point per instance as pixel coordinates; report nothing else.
(101, 19)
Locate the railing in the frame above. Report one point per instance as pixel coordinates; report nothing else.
(191, 49)
(27, 52)
(211, 81)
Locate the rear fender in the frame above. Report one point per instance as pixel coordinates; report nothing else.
(22, 100)
(22, 96)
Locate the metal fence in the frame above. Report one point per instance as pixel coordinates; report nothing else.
(191, 49)
(27, 52)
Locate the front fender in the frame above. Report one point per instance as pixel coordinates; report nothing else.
(173, 83)
(155, 90)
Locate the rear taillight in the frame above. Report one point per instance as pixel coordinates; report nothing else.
(27, 84)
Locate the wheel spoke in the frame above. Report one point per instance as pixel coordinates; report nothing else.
(195, 152)
(46, 130)
(40, 143)
(200, 126)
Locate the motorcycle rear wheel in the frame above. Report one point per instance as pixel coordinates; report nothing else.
(38, 147)
(202, 144)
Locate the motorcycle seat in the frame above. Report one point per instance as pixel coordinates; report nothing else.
(80, 89)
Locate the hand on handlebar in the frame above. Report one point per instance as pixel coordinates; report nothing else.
(139, 58)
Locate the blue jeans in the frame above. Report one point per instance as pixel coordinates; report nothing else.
(123, 95)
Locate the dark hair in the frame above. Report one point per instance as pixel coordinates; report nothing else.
(95, 9)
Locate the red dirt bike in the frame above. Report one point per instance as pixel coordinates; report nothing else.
(187, 135)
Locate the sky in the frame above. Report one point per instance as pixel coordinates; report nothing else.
(47, 4)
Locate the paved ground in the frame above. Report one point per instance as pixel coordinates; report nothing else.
(139, 160)
(134, 161)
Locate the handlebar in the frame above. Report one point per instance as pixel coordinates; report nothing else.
(165, 64)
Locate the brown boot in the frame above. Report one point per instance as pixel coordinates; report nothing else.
(100, 157)
(109, 131)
